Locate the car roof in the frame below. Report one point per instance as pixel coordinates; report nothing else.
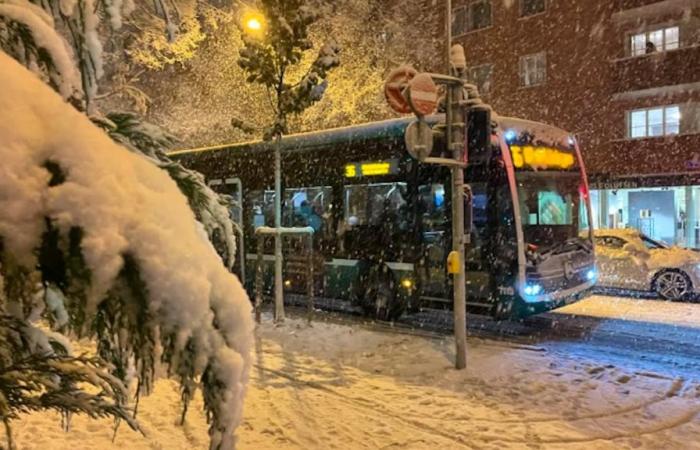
(617, 232)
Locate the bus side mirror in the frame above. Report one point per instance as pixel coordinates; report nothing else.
(478, 134)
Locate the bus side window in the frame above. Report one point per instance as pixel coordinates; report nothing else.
(308, 207)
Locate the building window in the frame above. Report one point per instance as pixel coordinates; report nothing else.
(459, 21)
(480, 76)
(475, 16)
(533, 69)
(532, 7)
(659, 40)
(652, 122)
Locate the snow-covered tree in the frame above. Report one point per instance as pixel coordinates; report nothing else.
(272, 55)
(100, 243)
(61, 41)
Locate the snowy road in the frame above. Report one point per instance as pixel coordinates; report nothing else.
(619, 374)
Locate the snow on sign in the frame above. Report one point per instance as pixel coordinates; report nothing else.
(422, 94)
(394, 86)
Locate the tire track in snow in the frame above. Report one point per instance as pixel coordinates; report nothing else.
(373, 408)
(476, 436)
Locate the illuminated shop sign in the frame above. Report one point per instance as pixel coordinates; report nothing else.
(541, 157)
(371, 168)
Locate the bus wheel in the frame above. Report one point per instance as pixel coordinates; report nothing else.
(379, 299)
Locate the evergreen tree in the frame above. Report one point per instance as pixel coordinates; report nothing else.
(55, 282)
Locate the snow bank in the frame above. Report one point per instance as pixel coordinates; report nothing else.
(124, 204)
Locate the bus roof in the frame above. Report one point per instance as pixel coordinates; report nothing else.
(547, 133)
(392, 128)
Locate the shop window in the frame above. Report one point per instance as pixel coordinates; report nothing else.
(533, 69)
(532, 7)
(658, 40)
(654, 122)
(480, 76)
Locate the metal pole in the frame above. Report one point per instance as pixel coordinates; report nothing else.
(259, 278)
(460, 305)
(310, 279)
(279, 294)
(455, 139)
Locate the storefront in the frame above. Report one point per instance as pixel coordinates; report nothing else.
(665, 208)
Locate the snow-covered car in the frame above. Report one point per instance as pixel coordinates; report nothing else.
(628, 259)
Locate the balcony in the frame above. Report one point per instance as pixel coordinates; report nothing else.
(656, 70)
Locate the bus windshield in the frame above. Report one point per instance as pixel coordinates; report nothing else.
(552, 206)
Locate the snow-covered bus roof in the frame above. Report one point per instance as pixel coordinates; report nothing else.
(385, 129)
(393, 128)
(544, 132)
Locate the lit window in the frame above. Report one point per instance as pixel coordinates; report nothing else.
(653, 122)
(532, 7)
(533, 69)
(480, 76)
(659, 40)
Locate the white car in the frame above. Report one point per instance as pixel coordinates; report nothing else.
(627, 259)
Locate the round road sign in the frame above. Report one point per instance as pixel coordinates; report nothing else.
(394, 86)
(422, 94)
(419, 139)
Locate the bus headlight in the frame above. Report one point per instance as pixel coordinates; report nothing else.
(591, 275)
(532, 289)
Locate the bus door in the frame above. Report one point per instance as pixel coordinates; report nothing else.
(478, 281)
(306, 207)
(434, 230)
(232, 188)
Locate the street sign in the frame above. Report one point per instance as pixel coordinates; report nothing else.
(419, 139)
(394, 86)
(422, 94)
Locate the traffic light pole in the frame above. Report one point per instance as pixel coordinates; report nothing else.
(455, 130)
(459, 278)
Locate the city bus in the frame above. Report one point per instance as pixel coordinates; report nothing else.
(382, 219)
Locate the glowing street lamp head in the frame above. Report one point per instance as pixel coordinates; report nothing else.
(253, 22)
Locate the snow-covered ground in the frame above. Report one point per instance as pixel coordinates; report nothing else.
(347, 386)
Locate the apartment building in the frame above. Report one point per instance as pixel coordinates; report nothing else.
(623, 75)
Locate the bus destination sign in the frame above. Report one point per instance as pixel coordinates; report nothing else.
(371, 168)
(541, 158)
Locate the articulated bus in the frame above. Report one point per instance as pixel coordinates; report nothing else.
(382, 219)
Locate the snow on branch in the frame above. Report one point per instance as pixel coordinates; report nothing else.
(114, 234)
(41, 35)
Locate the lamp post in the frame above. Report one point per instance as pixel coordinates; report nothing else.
(254, 25)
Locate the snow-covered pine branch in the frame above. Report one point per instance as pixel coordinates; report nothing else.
(116, 237)
(211, 209)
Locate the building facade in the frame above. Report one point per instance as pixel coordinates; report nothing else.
(623, 76)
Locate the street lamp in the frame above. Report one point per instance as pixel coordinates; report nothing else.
(253, 22)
